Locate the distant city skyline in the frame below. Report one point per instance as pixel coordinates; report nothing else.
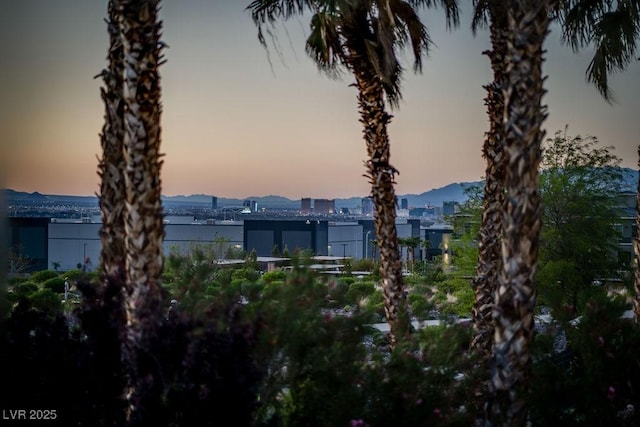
(238, 123)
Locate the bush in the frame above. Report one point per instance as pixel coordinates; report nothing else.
(56, 284)
(46, 301)
(44, 275)
(74, 275)
(275, 275)
(18, 279)
(420, 306)
(362, 265)
(594, 380)
(358, 291)
(25, 289)
(337, 291)
(248, 274)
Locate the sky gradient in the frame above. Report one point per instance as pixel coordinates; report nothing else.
(237, 122)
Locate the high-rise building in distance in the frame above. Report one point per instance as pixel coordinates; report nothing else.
(324, 206)
(305, 206)
(367, 206)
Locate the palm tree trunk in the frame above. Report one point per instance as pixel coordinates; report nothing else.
(111, 166)
(140, 32)
(490, 233)
(636, 250)
(516, 293)
(381, 176)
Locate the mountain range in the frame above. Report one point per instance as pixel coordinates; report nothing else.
(435, 197)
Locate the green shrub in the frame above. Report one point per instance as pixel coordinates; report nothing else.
(362, 265)
(223, 276)
(18, 279)
(74, 275)
(56, 284)
(347, 280)
(358, 291)
(25, 289)
(46, 301)
(44, 275)
(420, 306)
(236, 285)
(248, 274)
(251, 291)
(337, 291)
(464, 302)
(275, 275)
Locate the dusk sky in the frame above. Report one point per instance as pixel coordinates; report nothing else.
(235, 126)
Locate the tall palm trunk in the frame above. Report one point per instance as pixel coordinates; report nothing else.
(381, 174)
(516, 293)
(636, 251)
(490, 233)
(140, 32)
(111, 166)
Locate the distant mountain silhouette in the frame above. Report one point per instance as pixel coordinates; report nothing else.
(435, 197)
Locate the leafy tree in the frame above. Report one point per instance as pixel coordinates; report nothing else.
(364, 37)
(466, 224)
(579, 185)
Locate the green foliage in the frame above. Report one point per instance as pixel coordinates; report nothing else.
(579, 187)
(337, 292)
(421, 305)
(324, 355)
(18, 279)
(74, 275)
(594, 379)
(25, 289)
(466, 226)
(436, 275)
(275, 275)
(193, 276)
(364, 264)
(56, 284)
(275, 251)
(44, 275)
(455, 296)
(248, 274)
(423, 382)
(46, 301)
(251, 260)
(325, 367)
(359, 290)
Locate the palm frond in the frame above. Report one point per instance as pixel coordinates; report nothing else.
(450, 7)
(612, 28)
(324, 44)
(480, 18)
